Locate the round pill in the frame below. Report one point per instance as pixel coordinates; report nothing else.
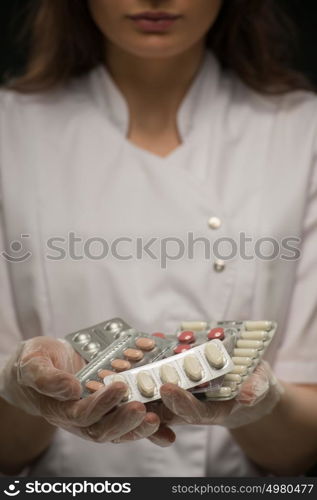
(94, 386)
(92, 347)
(145, 384)
(187, 337)
(193, 368)
(82, 337)
(214, 356)
(159, 335)
(133, 354)
(181, 348)
(169, 375)
(216, 333)
(120, 365)
(145, 344)
(104, 373)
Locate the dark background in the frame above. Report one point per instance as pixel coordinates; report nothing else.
(13, 15)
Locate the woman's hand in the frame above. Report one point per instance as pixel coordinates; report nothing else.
(40, 379)
(257, 397)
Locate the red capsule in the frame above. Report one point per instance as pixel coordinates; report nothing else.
(186, 337)
(181, 348)
(216, 333)
(160, 335)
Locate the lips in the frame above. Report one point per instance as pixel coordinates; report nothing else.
(154, 22)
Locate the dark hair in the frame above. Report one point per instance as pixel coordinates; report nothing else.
(250, 38)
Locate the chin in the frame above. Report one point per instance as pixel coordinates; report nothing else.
(156, 48)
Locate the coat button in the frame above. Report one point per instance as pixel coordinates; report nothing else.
(219, 266)
(214, 223)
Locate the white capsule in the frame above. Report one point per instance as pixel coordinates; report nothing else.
(194, 325)
(250, 353)
(231, 385)
(258, 325)
(146, 384)
(120, 378)
(242, 361)
(214, 356)
(223, 392)
(256, 335)
(232, 377)
(193, 368)
(169, 375)
(240, 370)
(250, 344)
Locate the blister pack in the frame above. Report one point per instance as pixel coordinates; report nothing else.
(131, 350)
(90, 342)
(245, 341)
(114, 347)
(204, 363)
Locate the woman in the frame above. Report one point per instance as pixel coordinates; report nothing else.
(125, 128)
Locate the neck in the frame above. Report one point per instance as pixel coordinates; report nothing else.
(153, 89)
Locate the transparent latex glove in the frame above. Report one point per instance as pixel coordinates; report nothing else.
(257, 397)
(39, 379)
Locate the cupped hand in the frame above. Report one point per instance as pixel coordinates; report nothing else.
(40, 379)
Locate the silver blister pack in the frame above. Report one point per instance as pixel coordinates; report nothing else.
(89, 342)
(123, 354)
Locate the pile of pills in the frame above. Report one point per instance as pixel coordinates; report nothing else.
(246, 341)
(201, 356)
(130, 350)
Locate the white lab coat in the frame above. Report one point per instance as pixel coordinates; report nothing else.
(66, 166)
